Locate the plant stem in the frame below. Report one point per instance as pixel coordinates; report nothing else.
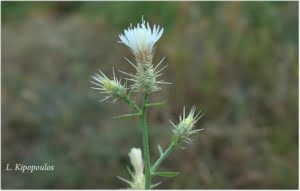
(146, 144)
(132, 104)
(163, 156)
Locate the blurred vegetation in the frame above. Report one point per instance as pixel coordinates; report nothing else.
(238, 61)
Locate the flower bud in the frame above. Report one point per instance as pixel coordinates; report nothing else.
(184, 129)
(138, 177)
(113, 88)
(135, 156)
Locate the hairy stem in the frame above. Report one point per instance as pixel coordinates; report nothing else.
(132, 103)
(163, 156)
(146, 144)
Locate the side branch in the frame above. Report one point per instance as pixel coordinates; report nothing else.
(163, 156)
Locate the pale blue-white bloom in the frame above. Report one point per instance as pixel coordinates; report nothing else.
(141, 39)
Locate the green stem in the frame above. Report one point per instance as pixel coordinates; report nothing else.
(132, 103)
(163, 156)
(146, 144)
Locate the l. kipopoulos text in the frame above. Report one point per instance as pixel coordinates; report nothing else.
(29, 168)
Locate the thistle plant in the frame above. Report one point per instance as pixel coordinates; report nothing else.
(141, 41)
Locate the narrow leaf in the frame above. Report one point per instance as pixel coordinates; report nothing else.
(127, 115)
(161, 152)
(156, 104)
(156, 184)
(166, 174)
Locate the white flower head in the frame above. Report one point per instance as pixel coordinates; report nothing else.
(112, 88)
(141, 39)
(184, 129)
(138, 177)
(136, 160)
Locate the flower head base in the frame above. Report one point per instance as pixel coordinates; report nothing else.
(145, 78)
(113, 88)
(141, 40)
(184, 129)
(138, 182)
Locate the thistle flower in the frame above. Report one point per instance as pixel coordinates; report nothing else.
(184, 129)
(141, 40)
(113, 88)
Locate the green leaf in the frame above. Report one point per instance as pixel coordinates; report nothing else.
(161, 152)
(166, 174)
(156, 104)
(127, 115)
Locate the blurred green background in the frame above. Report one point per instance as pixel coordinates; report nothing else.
(237, 61)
